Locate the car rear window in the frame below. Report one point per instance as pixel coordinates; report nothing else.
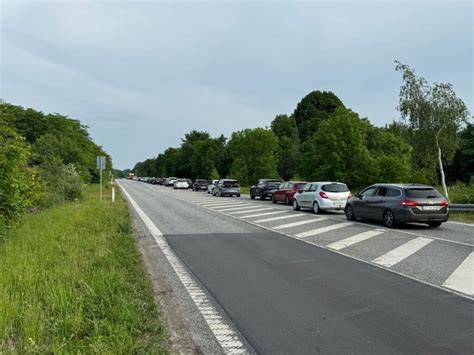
(335, 188)
(201, 181)
(423, 193)
(231, 183)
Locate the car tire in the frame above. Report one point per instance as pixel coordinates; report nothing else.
(434, 224)
(349, 211)
(274, 199)
(316, 208)
(262, 197)
(389, 219)
(238, 195)
(296, 207)
(287, 201)
(252, 197)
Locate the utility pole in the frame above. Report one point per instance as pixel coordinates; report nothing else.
(101, 167)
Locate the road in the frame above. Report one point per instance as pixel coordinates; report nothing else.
(293, 282)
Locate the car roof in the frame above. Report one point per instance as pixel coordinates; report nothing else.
(326, 182)
(404, 186)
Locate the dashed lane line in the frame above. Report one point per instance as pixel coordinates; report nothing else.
(299, 223)
(262, 214)
(278, 218)
(254, 210)
(344, 243)
(317, 231)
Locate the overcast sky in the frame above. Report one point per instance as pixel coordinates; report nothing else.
(142, 74)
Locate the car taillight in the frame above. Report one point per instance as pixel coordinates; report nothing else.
(409, 203)
(444, 203)
(323, 195)
(350, 195)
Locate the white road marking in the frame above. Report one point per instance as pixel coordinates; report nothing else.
(262, 214)
(230, 205)
(402, 252)
(235, 208)
(222, 203)
(322, 230)
(254, 210)
(300, 223)
(462, 279)
(344, 243)
(225, 335)
(278, 218)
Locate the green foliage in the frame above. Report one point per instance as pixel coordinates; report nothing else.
(18, 185)
(312, 110)
(285, 129)
(254, 155)
(462, 167)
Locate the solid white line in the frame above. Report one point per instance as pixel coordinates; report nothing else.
(462, 279)
(402, 252)
(225, 335)
(344, 243)
(262, 214)
(278, 218)
(322, 230)
(254, 210)
(300, 223)
(236, 208)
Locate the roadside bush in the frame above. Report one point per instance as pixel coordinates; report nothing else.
(63, 182)
(18, 185)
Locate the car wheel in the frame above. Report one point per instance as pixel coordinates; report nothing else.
(389, 219)
(316, 208)
(274, 199)
(252, 197)
(238, 195)
(287, 201)
(434, 224)
(213, 193)
(349, 213)
(296, 207)
(262, 197)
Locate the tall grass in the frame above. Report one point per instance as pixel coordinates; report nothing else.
(72, 280)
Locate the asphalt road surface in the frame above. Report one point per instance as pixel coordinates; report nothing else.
(293, 282)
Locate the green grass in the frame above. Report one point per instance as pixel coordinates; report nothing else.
(466, 217)
(245, 190)
(72, 281)
(460, 193)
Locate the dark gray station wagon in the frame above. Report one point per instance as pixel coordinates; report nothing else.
(399, 203)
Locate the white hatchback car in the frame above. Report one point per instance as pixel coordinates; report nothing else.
(211, 186)
(181, 184)
(322, 195)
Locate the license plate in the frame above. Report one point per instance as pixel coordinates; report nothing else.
(340, 205)
(430, 208)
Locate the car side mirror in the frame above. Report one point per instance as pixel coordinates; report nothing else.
(360, 197)
(300, 190)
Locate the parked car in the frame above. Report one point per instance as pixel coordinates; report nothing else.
(227, 187)
(211, 186)
(200, 184)
(181, 184)
(322, 196)
(286, 191)
(171, 181)
(264, 188)
(399, 203)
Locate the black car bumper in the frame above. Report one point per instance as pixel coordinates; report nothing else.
(407, 215)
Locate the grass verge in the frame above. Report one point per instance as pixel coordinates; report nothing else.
(72, 281)
(466, 217)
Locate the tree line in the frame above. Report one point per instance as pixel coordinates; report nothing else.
(44, 159)
(325, 140)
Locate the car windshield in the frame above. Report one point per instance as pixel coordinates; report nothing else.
(423, 193)
(181, 180)
(231, 183)
(334, 188)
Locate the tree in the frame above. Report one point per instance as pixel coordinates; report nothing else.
(338, 151)
(254, 155)
(312, 110)
(435, 115)
(285, 129)
(462, 167)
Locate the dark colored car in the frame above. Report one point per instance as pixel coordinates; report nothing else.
(399, 203)
(286, 191)
(190, 183)
(226, 187)
(200, 184)
(264, 188)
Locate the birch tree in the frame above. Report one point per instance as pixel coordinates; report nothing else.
(435, 115)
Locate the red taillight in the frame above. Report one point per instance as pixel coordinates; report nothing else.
(323, 195)
(409, 203)
(444, 203)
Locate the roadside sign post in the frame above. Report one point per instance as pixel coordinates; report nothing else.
(101, 167)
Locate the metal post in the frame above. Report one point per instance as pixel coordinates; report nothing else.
(100, 184)
(113, 193)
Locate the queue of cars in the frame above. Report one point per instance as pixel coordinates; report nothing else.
(391, 204)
